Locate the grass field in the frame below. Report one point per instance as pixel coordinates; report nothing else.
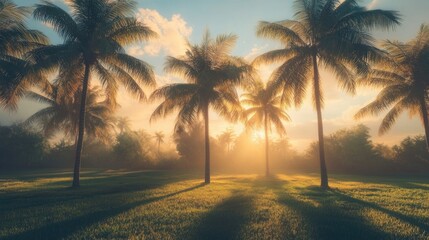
(167, 205)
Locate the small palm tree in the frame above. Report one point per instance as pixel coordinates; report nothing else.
(60, 114)
(94, 36)
(333, 34)
(211, 75)
(123, 124)
(404, 80)
(159, 138)
(265, 109)
(226, 138)
(15, 41)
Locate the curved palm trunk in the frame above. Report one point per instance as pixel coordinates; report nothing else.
(323, 170)
(207, 144)
(424, 112)
(267, 169)
(79, 145)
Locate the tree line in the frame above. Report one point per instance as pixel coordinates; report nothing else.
(325, 34)
(348, 151)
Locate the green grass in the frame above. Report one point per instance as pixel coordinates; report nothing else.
(167, 205)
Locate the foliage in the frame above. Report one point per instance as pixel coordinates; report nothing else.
(135, 149)
(404, 80)
(20, 147)
(16, 40)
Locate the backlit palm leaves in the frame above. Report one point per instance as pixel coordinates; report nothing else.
(331, 34)
(404, 80)
(15, 41)
(60, 114)
(93, 39)
(211, 76)
(265, 110)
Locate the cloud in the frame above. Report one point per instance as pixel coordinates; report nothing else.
(172, 34)
(372, 4)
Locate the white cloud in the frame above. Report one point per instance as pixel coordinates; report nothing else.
(172, 34)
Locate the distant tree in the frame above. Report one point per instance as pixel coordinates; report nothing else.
(190, 143)
(123, 124)
(411, 155)
(94, 36)
(133, 149)
(15, 41)
(404, 80)
(60, 114)
(211, 75)
(21, 147)
(227, 138)
(332, 34)
(265, 109)
(159, 137)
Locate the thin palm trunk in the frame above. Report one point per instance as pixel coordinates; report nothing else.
(424, 112)
(207, 144)
(159, 144)
(323, 170)
(79, 145)
(267, 169)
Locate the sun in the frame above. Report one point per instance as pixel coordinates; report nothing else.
(257, 135)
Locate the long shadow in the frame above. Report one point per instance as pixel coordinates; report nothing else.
(63, 229)
(225, 220)
(328, 219)
(91, 188)
(421, 223)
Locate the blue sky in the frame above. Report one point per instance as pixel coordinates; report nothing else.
(176, 20)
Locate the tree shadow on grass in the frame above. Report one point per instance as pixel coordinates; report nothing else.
(420, 223)
(56, 192)
(225, 220)
(64, 229)
(325, 215)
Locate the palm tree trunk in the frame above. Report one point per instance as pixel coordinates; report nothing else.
(267, 169)
(424, 112)
(317, 96)
(79, 145)
(207, 144)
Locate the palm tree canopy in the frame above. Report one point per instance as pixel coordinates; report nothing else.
(263, 103)
(15, 41)
(159, 136)
(61, 112)
(123, 124)
(95, 35)
(403, 77)
(211, 75)
(336, 32)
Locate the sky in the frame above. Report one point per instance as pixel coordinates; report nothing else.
(178, 20)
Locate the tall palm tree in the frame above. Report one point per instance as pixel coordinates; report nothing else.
(265, 109)
(404, 79)
(332, 34)
(60, 114)
(15, 41)
(211, 75)
(226, 138)
(159, 138)
(94, 36)
(123, 124)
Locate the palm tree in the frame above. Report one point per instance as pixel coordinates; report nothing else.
(15, 41)
(265, 109)
(94, 36)
(333, 34)
(404, 80)
(60, 114)
(123, 124)
(159, 137)
(226, 138)
(211, 75)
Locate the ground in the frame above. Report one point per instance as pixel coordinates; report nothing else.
(171, 205)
